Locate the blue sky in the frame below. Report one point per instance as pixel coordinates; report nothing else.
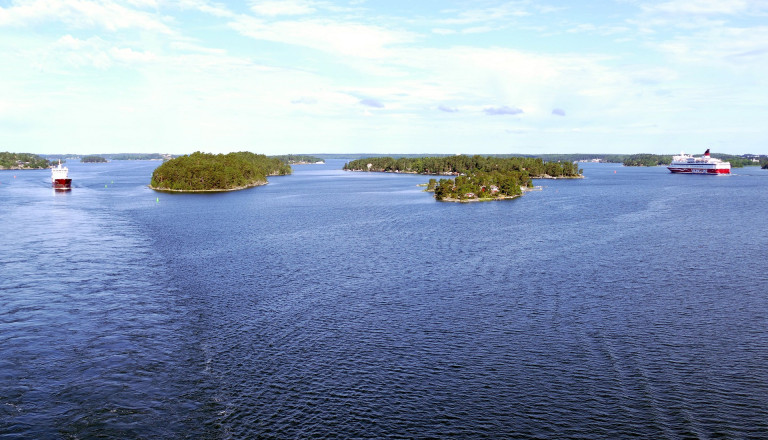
(376, 76)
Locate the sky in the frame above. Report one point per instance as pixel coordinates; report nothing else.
(384, 76)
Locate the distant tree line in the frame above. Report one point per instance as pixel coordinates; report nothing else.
(291, 159)
(114, 156)
(736, 161)
(646, 160)
(208, 172)
(455, 165)
(134, 156)
(93, 159)
(477, 177)
(22, 161)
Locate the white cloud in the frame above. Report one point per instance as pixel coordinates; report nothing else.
(700, 7)
(492, 14)
(720, 45)
(282, 7)
(341, 38)
(95, 52)
(186, 46)
(206, 6)
(128, 55)
(80, 14)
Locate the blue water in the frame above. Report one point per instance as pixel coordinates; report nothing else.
(629, 304)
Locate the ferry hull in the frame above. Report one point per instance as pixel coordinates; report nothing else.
(62, 184)
(710, 171)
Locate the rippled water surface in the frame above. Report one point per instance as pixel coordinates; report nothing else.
(629, 304)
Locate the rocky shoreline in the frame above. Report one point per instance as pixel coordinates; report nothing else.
(237, 188)
(490, 199)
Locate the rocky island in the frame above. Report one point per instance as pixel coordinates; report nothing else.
(476, 178)
(203, 172)
(93, 159)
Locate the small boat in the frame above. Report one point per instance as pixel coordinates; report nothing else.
(687, 164)
(60, 178)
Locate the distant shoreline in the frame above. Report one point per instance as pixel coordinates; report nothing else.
(25, 168)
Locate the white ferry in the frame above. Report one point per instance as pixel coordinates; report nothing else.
(60, 178)
(687, 164)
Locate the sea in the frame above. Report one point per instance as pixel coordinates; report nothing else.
(631, 304)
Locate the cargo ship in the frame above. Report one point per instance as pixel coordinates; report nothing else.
(60, 178)
(687, 164)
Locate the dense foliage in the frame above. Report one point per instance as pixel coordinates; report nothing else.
(298, 158)
(454, 165)
(22, 161)
(764, 164)
(208, 172)
(736, 161)
(93, 159)
(477, 177)
(647, 160)
(135, 156)
(481, 185)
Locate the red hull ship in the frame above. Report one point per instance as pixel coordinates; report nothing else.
(60, 178)
(687, 164)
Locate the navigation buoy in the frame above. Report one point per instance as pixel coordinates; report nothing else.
(158, 200)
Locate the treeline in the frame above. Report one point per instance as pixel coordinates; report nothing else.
(22, 161)
(291, 159)
(208, 172)
(135, 156)
(647, 160)
(736, 161)
(455, 165)
(113, 156)
(93, 159)
(477, 177)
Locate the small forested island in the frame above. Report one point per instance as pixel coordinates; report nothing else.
(298, 159)
(477, 178)
(204, 172)
(22, 161)
(647, 160)
(93, 159)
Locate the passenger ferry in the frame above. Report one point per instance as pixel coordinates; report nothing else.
(687, 164)
(60, 178)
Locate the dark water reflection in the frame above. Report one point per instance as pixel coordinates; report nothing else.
(341, 305)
